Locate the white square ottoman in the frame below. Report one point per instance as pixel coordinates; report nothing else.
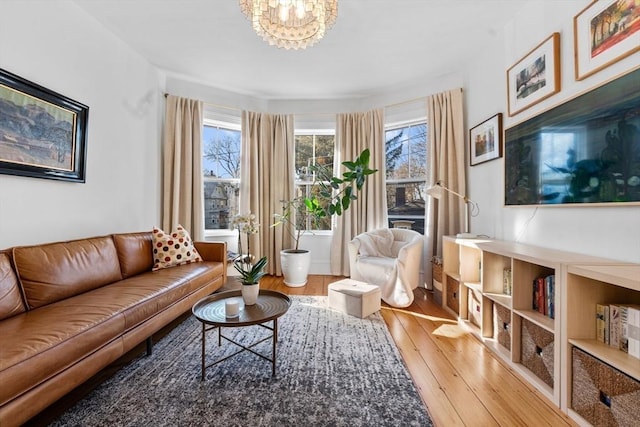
(354, 298)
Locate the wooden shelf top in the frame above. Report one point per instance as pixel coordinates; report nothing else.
(625, 275)
(502, 299)
(541, 320)
(541, 255)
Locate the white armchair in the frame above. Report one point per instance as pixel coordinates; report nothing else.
(390, 259)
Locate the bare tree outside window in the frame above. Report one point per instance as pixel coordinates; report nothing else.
(221, 170)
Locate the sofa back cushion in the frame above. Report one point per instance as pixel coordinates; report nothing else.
(10, 296)
(55, 271)
(134, 252)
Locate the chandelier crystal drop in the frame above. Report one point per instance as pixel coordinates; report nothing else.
(290, 24)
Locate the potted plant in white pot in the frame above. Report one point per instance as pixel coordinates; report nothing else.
(250, 275)
(333, 197)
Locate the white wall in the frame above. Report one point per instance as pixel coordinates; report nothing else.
(612, 232)
(55, 44)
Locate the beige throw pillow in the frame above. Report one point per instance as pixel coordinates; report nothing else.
(173, 249)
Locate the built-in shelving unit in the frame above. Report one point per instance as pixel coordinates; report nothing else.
(490, 288)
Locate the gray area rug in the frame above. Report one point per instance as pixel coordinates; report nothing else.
(333, 370)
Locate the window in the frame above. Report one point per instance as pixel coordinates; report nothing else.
(221, 169)
(406, 164)
(311, 148)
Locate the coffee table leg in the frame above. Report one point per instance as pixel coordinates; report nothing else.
(273, 353)
(203, 346)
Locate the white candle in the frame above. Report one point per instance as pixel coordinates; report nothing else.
(231, 308)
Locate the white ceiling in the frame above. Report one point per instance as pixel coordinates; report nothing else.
(373, 46)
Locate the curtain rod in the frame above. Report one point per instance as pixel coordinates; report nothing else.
(307, 114)
(215, 105)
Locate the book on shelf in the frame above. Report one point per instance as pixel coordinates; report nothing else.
(614, 325)
(602, 323)
(550, 284)
(507, 281)
(539, 295)
(633, 330)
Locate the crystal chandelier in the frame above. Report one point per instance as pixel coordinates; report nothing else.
(291, 24)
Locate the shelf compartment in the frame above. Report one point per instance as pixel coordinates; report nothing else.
(601, 394)
(537, 352)
(618, 359)
(493, 272)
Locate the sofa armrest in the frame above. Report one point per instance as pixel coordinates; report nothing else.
(212, 251)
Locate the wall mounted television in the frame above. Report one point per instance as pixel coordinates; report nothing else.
(584, 151)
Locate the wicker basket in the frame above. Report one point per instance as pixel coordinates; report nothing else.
(603, 395)
(502, 325)
(436, 271)
(537, 351)
(453, 297)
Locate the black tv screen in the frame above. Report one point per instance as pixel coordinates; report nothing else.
(586, 150)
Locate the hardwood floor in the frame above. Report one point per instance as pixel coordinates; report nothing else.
(459, 379)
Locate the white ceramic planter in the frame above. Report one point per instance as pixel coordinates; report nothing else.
(295, 266)
(250, 293)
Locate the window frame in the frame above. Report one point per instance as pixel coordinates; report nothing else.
(399, 125)
(230, 126)
(307, 183)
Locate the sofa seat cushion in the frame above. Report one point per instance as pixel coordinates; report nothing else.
(38, 344)
(146, 294)
(49, 339)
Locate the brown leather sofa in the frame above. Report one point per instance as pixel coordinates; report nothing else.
(69, 309)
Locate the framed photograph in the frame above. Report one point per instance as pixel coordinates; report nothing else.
(42, 134)
(603, 33)
(485, 140)
(535, 77)
(584, 151)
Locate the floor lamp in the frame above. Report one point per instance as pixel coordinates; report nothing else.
(437, 190)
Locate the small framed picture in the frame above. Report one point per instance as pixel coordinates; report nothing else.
(42, 134)
(603, 33)
(535, 77)
(485, 140)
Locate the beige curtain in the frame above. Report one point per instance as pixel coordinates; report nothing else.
(354, 133)
(267, 166)
(445, 216)
(182, 195)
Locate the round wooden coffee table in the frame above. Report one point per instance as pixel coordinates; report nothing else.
(269, 307)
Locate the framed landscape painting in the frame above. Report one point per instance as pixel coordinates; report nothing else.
(485, 140)
(534, 77)
(42, 134)
(603, 33)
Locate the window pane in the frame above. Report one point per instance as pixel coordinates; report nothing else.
(406, 163)
(310, 150)
(220, 203)
(221, 170)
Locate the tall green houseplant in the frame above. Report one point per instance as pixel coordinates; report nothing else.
(332, 196)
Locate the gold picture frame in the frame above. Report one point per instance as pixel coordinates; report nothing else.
(535, 77)
(604, 33)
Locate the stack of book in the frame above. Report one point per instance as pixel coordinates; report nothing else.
(544, 295)
(618, 325)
